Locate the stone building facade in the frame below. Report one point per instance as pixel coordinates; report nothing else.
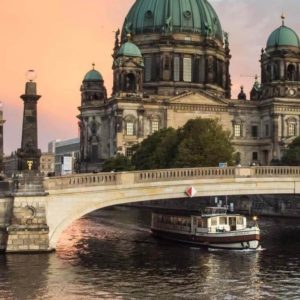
(47, 161)
(171, 64)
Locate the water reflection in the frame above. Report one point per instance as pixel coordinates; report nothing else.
(111, 255)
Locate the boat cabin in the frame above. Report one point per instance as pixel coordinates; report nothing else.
(213, 220)
(218, 223)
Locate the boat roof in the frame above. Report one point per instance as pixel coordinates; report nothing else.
(208, 212)
(216, 211)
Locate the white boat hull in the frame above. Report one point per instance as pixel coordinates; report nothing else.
(231, 240)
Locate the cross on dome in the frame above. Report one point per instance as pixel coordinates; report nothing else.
(282, 18)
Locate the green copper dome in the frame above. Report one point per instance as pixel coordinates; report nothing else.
(129, 49)
(93, 75)
(283, 36)
(172, 16)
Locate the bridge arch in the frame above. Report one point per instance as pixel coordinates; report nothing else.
(74, 207)
(71, 197)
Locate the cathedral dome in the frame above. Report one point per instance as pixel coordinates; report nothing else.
(175, 16)
(129, 49)
(283, 36)
(93, 75)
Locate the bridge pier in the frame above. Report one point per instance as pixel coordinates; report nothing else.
(28, 230)
(6, 205)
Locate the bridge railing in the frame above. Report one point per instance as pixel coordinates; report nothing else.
(78, 180)
(276, 171)
(135, 177)
(186, 173)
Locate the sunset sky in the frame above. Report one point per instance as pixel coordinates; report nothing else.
(60, 39)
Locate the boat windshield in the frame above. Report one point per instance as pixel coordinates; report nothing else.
(215, 210)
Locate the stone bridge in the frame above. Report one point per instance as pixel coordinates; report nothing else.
(71, 197)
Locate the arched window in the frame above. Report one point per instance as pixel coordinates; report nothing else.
(275, 71)
(291, 127)
(155, 124)
(237, 128)
(291, 73)
(187, 69)
(176, 68)
(130, 83)
(148, 67)
(130, 125)
(269, 73)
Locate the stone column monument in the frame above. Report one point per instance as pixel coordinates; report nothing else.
(28, 180)
(29, 154)
(28, 230)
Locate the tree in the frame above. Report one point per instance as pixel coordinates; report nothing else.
(118, 163)
(199, 143)
(203, 143)
(291, 156)
(156, 151)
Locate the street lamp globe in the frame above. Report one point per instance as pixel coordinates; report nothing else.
(31, 75)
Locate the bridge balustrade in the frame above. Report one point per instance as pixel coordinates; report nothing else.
(276, 171)
(187, 173)
(73, 181)
(126, 178)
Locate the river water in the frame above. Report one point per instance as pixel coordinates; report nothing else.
(111, 254)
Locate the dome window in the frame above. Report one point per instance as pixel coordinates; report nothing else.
(149, 14)
(187, 14)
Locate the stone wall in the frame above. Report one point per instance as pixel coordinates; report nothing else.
(28, 231)
(6, 205)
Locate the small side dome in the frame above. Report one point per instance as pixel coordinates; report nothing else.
(93, 75)
(129, 49)
(283, 36)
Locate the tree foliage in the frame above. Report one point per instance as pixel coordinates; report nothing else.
(203, 143)
(156, 151)
(118, 163)
(199, 143)
(291, 156)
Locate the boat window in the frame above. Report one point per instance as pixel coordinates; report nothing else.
(214, 221)
(240, 220)
(175, 220)
(200, 222)
(222, 220)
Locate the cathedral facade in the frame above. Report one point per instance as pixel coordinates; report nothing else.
(171, 64)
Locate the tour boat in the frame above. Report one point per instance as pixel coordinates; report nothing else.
(214, 228)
